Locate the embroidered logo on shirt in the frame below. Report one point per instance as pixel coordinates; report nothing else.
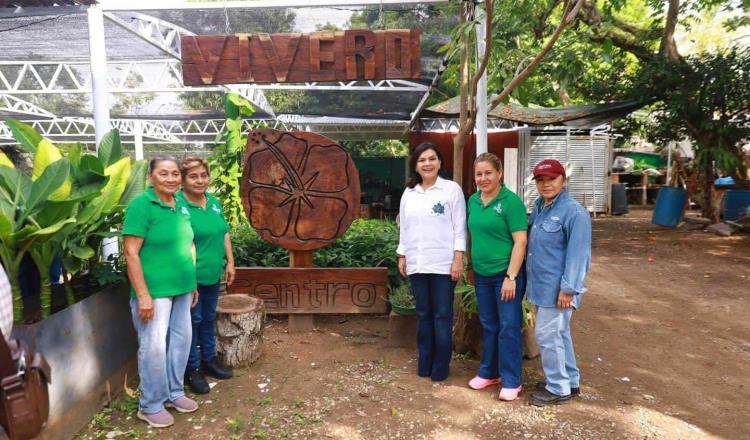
(216, 209)
(498, 208)
(555, 218)
(185, 211)
(438, 208)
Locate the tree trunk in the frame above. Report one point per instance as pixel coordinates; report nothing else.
(708, 210)
(467, 331)
(46, 297)
(239, 330)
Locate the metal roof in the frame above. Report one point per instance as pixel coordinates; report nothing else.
(591, 115)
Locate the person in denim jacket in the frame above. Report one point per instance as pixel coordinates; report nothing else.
(557, 259)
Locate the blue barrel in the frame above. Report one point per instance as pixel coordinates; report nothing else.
(736, 202)
(670, 203)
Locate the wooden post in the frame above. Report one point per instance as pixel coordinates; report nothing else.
(239, 329)
(301, 323)
(644, 194)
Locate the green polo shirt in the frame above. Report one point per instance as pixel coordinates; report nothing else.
(491, 227)
(209, 228)
(166, 253)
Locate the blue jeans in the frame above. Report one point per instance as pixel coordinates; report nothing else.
(502, 344)
(556, 346)
(163, 346)
(434, 297)
(204, 318)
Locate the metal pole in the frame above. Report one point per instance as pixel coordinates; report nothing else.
(669, 161)
(99, 81)
(480, 131)
(138, 139)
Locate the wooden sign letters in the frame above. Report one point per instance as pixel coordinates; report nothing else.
(350, 55)
(315, 290)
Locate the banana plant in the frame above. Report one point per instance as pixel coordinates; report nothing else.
(66, 207)
(21, 199)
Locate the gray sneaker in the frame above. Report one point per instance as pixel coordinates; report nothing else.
(183, 404)
(162, 419)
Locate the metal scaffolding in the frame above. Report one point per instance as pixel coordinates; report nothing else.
(117, 74)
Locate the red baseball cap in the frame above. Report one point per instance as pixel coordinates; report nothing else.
(549, 167)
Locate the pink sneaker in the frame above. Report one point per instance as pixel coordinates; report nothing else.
(182, 404)
(509, 394)
(478, 383)
(162, 419)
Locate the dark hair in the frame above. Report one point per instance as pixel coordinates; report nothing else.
(161, 158)
(490, 159)
(414, 177)
(191, 162)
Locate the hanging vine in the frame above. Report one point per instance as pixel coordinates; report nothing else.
(226, 162)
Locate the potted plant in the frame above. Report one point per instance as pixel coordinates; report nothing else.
(402, 299)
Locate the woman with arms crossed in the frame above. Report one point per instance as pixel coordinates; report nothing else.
(497, 226)
(432, 242)
(161, 268)
(213, 248)
(559, 255)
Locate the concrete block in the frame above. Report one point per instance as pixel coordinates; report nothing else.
(722, 229)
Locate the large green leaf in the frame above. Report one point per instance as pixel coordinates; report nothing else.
(136, 183)
(110, 148)
(51, 230)
(4, 161)
(118, 173)
(87, 191)
(74, 155)
(53, 212)
(50, 181)
(6, 226)
(91, 163)
(81, 252)
(47, 154)
(26, 136)
(16, 184)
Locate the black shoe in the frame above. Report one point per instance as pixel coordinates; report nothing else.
(574, 391)
(195, 380)
(213, 369)
(544, 397)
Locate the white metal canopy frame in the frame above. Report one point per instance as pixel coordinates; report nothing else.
(141, 57)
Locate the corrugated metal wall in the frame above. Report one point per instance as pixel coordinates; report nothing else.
(586, 158)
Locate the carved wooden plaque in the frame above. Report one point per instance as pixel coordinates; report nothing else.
(315, 290)
(300, 190)
(355, 54)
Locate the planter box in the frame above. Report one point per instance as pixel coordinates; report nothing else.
(90, 346)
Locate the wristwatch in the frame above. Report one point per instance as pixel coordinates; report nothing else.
(511, 277)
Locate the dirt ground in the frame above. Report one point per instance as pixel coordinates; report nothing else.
(662, 338)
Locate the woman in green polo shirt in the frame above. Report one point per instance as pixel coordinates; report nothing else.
(161, 267)
(497, 225)
(213, 249)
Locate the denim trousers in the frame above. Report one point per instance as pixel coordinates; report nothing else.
(434, 297)
(163, 347)
(556, 347)
(502, 343)
(204, 319)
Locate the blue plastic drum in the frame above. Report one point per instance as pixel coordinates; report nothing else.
(670, 204)
(736, 202)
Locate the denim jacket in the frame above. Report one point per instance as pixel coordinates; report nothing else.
(559, 250)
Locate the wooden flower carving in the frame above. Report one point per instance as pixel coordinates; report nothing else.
(300, 190)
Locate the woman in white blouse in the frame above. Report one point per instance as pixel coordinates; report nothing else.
(431, 247)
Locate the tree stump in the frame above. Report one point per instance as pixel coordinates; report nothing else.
(239, 329)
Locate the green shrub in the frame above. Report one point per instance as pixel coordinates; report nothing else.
(367, 243)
